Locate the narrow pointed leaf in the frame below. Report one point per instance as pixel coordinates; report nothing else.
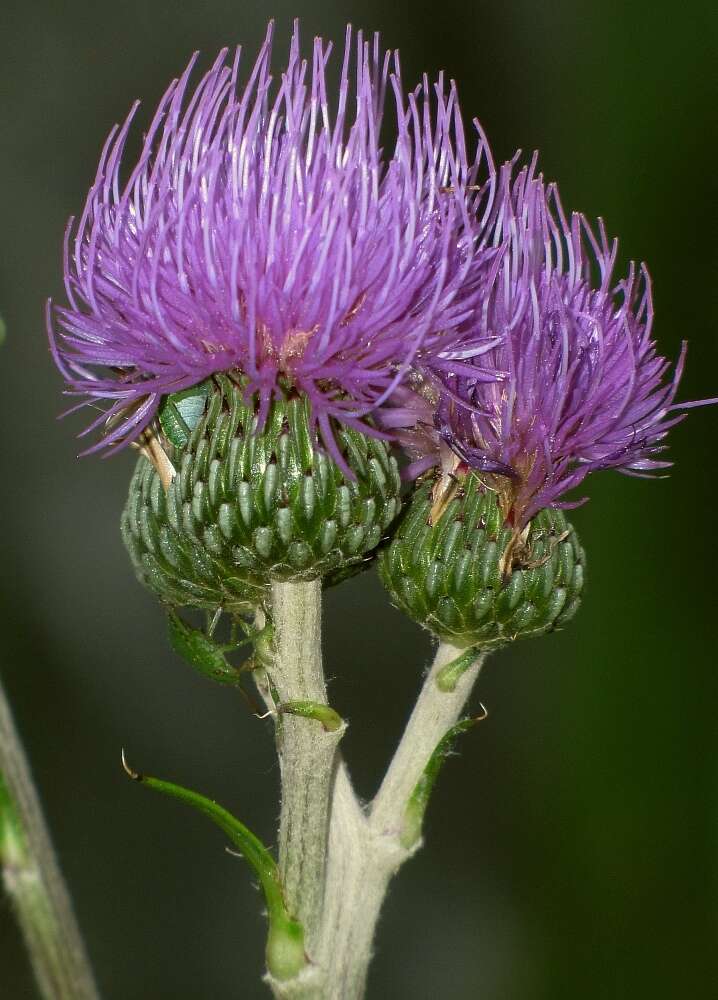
(285, 943)
(419, 798)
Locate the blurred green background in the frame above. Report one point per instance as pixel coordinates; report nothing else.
(573, 845)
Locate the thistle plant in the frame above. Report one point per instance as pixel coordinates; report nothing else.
(337, 334)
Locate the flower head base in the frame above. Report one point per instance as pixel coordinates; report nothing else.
(241, 506)
(462, 576)
(261, 232)
(580, 385)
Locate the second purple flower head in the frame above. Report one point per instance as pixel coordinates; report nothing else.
(578, 382)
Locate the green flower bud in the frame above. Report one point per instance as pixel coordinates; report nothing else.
(471, 579)
(216, 510)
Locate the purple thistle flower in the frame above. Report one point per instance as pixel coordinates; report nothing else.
(579, 383)
(262, 233)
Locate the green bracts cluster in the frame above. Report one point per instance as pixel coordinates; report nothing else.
(247, 507)
(455, 578)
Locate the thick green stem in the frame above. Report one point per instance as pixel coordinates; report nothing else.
(33, 881)
(307, 750)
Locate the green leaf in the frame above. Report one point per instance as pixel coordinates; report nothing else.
(285, 942)
(419, 798)
(180, 413)
(330, 720)
(448, 677)
(203, 653)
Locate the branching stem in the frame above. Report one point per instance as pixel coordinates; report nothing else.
(436, 711)
(336, 857)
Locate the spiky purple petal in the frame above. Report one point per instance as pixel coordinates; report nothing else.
(579, 383)
(261, 231)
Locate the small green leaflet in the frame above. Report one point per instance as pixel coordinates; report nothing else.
(450, 675)
(410, 833)
(331, 721)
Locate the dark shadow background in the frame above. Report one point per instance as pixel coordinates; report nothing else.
(573, 846)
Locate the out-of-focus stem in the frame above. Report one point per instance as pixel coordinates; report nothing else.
(33, 881)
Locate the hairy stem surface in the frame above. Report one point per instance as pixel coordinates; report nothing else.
(33, 880)
(363, 864)
(307, 750)
(365, 845)
(435, 712)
